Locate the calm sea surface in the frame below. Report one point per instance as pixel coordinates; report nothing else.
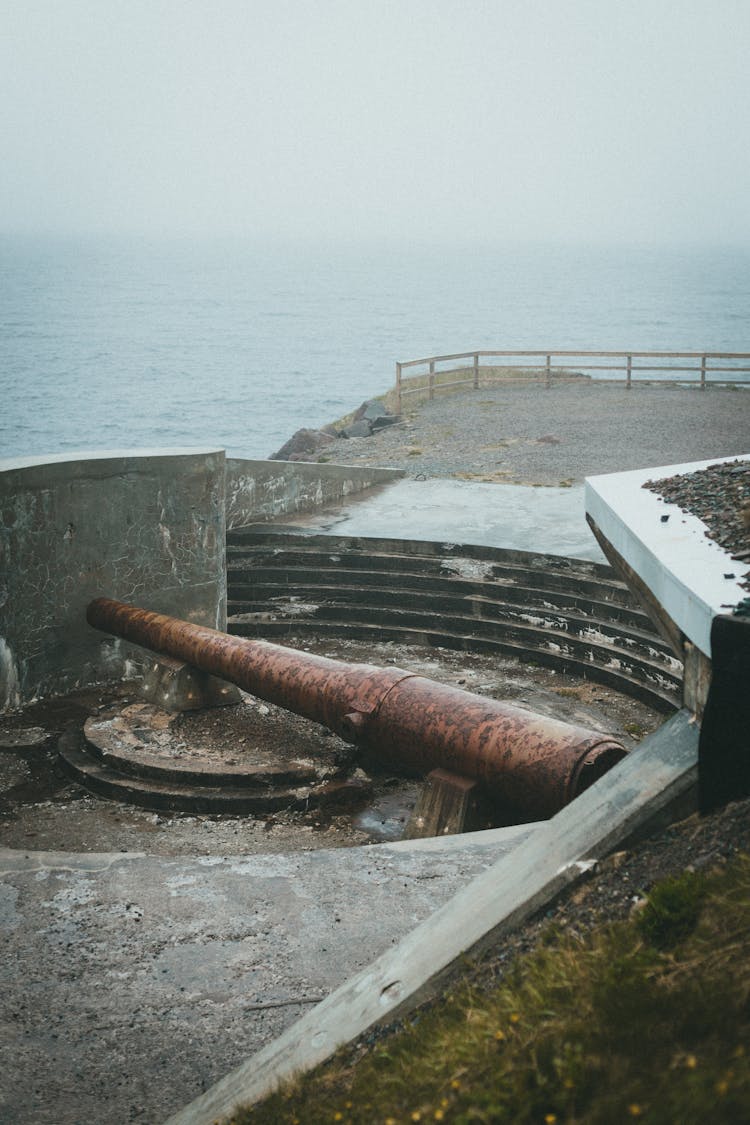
(112, 344)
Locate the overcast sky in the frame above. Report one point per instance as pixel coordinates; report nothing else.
(567, 120)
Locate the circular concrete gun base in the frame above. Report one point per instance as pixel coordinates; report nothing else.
(230, 760)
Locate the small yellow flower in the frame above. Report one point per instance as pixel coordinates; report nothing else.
(338, 1115)
(455, 1084)
(634, 1109)
(738, 1052)
(438, 1115)
(550, 1118)
(348, 1105)
(416, 1116)
(514, 1017)
(390, 1121)
(444, 1103)
(721, 1087)
(691, 1062)
(499, 1035)
(568, 1083)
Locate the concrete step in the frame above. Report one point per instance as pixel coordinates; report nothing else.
(599, 643)
(650, 683)
(330, 587)
(331, 570)
(258, 537)
(565, 614)
(568, 614)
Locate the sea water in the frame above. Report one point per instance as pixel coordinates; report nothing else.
(121, 343)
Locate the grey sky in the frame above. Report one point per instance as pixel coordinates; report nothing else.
(604, 120)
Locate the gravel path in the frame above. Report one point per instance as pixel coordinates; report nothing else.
(521, 434)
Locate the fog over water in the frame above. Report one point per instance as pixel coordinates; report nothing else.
(570, 120)
(222, 221)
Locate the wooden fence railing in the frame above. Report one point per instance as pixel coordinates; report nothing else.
(544, 365)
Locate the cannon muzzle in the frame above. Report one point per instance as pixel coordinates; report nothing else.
(406, 721)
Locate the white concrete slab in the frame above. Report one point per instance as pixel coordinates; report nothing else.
(692, 576)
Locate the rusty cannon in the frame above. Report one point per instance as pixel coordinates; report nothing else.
(403, 720)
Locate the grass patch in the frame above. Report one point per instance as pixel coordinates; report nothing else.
(569, 692)
(672, 911)
(643, 1020)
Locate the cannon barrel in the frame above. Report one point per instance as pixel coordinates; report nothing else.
(406, 721)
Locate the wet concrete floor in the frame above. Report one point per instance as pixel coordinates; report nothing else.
(545, 519)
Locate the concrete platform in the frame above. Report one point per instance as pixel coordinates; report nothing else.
(544, 519)
(691, 576)
(147, 978)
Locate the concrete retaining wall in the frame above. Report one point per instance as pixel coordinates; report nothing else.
(146, 526)
(262, 490)
(143, 526)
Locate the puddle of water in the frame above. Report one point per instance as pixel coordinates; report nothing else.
(387, 817)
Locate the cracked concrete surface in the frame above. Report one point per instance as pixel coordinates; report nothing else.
(146, 978)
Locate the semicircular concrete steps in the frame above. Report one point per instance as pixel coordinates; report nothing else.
(567, 614)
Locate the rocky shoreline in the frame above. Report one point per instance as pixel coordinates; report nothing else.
(365, 421)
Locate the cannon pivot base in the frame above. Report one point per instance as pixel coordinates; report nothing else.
(447, 805)
(175, 685)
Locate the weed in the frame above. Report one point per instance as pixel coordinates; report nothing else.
(672, 910)
(637, 730)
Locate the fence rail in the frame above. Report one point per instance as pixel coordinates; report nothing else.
(706, 367)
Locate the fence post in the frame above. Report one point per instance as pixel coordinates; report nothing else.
(398, 388)
(630, 373)
(476, 372)
(432, 378)
(703, 373)
(548, 371)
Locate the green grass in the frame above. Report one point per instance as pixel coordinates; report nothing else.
(643, 1020)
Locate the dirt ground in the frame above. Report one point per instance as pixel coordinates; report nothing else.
(41, 809)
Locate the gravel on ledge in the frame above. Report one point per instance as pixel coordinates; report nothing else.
(717, 495)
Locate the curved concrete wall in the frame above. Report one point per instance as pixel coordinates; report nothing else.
(146, 526)
(262, 490)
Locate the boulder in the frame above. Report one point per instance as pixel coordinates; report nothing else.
(302, 445)
(360, 428)
(384, 420)
(373, 414)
